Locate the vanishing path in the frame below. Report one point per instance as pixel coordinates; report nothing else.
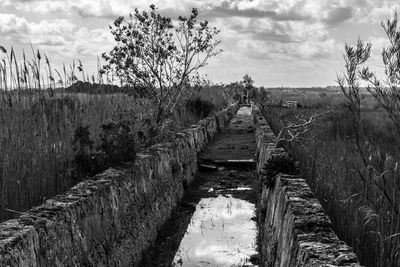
(215, 223)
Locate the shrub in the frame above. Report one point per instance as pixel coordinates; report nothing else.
(82, 146)
(275, 164)
(82, 143)
(339, 124)
(117, 142)
(199, 106)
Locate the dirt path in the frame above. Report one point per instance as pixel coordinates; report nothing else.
(215, 224)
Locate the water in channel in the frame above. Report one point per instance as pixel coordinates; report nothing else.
(215, 224)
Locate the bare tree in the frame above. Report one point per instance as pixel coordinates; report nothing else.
(299, 129)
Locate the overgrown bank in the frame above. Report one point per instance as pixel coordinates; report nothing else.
(293, 227)
(111, 218)
(360, 202)
(48, 144)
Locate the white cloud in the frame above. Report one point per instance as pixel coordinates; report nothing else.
(60, 36)
(53, 27)
(297, 31)
(262, 38)
(308, 50)
(92, 42)
(378, 43)
(11, 24)
(44, 6)
(106, 8)
(374, 11)
(53, 32)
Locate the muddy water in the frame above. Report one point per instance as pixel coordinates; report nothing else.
(215, 223)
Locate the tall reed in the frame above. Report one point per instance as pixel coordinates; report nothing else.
(363, 203)
(38, 118)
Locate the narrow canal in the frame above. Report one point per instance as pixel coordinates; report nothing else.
(215, 224)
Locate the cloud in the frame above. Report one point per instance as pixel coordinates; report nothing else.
(338, 15)
(52, 32)
(113, 9)
(49, 41)
(378, 43)
(374, 11)
(273, 34)
(225, 9)
(11, 24)
(57, 35)
(308, 50)
(294, 10)
(240, 9)
(332, 12)
(92, 42)
(297, 31)
(46, 7)
(52, 27)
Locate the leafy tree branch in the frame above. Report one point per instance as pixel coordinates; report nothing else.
(160, 54)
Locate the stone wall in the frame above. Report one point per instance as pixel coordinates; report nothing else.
(293, 227)
(111, 219)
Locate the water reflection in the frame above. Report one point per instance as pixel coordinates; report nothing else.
(244, 111)
(221, 233)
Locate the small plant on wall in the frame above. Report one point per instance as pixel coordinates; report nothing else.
(279, 163)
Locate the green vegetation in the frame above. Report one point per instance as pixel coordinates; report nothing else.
(330, 162)
(281, 163)
(58, 129)
(154, 53)
(117, 142)
(243, 90)
(349, 149)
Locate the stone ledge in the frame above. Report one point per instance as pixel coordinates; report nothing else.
(111, 219)
(293, 227)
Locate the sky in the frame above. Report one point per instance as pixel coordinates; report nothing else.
(297, 43)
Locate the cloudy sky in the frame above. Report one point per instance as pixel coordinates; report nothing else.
(277, 42)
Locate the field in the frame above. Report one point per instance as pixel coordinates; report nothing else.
(359, 191)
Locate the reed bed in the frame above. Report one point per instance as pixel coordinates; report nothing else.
(36, 151)
(38, 118)
(363, 203)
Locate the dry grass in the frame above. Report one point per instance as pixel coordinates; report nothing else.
(36, 149)
(363, 203)
(38, 120)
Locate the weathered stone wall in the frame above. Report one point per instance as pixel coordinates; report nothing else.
(111, 219)
(293, 227)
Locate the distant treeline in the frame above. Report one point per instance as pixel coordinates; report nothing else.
(85, 87)
(89, 88)
(305, 89)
